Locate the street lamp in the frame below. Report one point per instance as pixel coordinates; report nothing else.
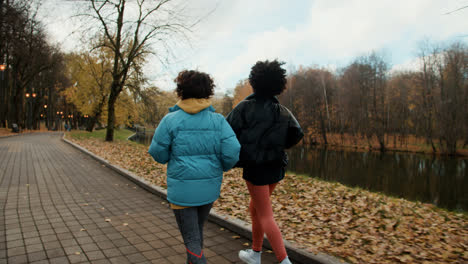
(2, 69)
(30, 106)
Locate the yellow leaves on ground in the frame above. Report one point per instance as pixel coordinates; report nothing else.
(353, 224)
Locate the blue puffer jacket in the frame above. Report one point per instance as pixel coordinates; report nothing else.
(198, 146)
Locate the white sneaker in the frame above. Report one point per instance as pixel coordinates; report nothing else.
(250, 257)
(286, 261)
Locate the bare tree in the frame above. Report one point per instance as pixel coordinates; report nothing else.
(131, 29)
(451, 104)
(28, 58)
(428, 56)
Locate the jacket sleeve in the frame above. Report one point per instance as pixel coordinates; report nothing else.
(230, 146)
(161, 143)
(295, 133)
(235, 120)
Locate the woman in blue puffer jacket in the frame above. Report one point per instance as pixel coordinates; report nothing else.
(198, 145)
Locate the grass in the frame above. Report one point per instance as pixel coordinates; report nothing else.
(119, 134)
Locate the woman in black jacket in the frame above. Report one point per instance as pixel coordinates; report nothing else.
(265, 128)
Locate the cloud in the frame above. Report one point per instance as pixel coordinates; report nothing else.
(231, 39)
(335, 32)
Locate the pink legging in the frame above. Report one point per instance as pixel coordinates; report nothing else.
(263, 221)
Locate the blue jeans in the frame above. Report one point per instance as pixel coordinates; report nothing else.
(190, 221)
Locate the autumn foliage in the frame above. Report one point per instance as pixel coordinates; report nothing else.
(380, 109)
(353, 224)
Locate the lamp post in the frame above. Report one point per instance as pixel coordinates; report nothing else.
(58, 124)
(28, 103)
(3, 93)
(46, 119)
(2, 69)
(33, 98)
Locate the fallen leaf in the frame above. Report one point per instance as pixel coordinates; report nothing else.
(351, 223)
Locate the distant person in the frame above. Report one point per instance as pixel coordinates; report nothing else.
(198, 145)
(265, 128)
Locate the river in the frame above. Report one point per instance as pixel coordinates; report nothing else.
(442, 181)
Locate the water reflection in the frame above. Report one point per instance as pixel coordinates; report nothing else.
(442, 181)
(142, 137)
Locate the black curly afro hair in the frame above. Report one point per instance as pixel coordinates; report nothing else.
(267, 78)
(194, 84)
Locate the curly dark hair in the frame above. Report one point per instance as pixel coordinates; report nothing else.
(267, 78)
(194, 84)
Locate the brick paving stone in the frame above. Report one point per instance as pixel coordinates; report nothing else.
(55, 201)
(41, 262)
(101, 261)
(36, 256)
(95, 255)
(59, 260)
(77, 258)
(21, 259)
(55, 253)
(119, 260)
(143, 247)
(112, 252)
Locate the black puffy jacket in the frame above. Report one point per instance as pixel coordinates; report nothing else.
(264, 128)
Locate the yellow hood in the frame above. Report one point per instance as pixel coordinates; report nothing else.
(194, 105)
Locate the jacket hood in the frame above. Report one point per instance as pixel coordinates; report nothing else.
(193, 105)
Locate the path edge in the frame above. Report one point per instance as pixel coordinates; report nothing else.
(238, 226)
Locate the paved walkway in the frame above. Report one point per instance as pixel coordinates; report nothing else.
(58, 205)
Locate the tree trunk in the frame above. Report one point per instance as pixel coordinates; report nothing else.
(111, 113)
(96, 114)
(381, 140)
(324, 130)
(434, 149)
(18, 102)
(90, 124)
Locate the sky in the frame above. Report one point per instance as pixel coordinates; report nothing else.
(234, 34)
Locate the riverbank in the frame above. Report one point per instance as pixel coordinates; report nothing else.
(408, 144)
(353, 224)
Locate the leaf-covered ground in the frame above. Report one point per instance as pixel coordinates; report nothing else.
(353, 224)
(6, 132)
